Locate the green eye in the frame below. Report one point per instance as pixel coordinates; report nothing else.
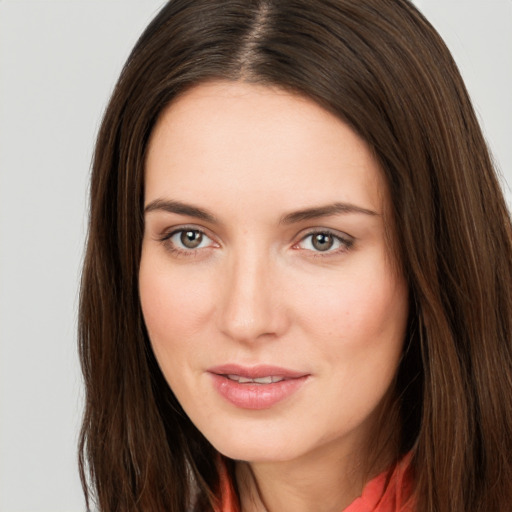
(191, 238)
(325, 241)
(322, 241)
(188, 239)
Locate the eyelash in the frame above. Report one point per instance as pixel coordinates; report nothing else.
(346, 243)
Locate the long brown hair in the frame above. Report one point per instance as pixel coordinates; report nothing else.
(381, 67)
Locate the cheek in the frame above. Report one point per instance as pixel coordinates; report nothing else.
(358, 331)
(174, 303)
(358, 311)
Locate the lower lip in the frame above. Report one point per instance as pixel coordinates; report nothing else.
(256, 396)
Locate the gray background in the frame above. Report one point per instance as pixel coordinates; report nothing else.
(58, 63)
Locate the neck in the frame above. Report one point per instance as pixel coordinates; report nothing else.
(266, 487)
(326, 480)
(327, 483)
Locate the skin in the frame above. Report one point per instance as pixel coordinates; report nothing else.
(258, 291)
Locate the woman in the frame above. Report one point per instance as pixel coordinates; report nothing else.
(297, 287)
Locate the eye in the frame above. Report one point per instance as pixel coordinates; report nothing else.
(325, 241)
(187, 240)
(190, 238)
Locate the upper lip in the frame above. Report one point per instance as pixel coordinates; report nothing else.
(255, 372)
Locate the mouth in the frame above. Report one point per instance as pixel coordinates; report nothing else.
(258, 380)
(258, 387)
(262, 372)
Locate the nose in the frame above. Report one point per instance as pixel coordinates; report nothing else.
(250, 307)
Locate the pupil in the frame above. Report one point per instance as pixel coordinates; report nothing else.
(191, 239)
(322, 242)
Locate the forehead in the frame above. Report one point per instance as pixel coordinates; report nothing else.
(239, 140)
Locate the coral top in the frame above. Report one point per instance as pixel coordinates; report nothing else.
(390, 491)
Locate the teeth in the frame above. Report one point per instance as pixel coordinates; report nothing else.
(263, 380)
(258, 380)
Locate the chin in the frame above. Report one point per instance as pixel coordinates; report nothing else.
(253, 445)
(262, 445)
(256, 452)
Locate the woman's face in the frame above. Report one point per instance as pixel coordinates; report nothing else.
(269, 292)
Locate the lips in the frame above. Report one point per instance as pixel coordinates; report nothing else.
(258, 387)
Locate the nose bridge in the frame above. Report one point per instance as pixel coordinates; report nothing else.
(249, 307)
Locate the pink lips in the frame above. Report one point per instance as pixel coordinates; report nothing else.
(274, 384)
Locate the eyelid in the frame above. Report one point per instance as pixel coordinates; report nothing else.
(169, 232)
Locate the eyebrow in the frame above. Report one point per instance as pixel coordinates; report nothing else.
(324, 211)
(181, 209)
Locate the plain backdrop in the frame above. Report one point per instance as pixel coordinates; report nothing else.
(58, 63)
